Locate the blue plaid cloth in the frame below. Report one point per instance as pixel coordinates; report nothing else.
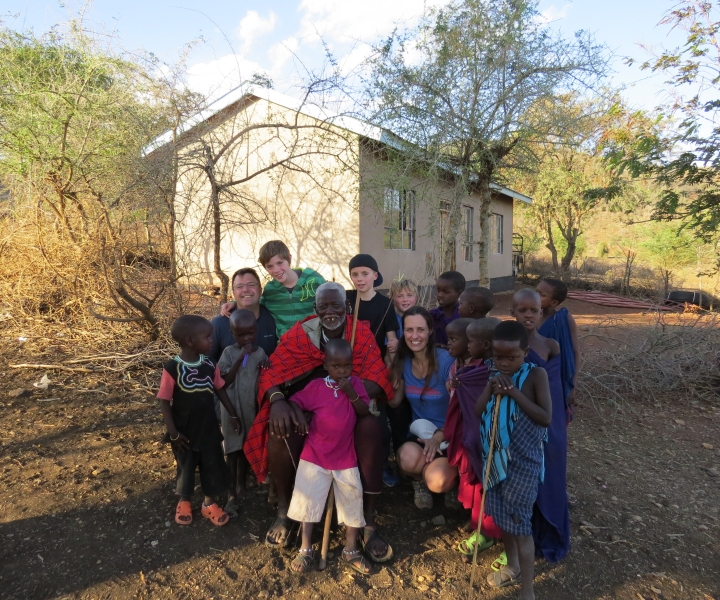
(510, 502)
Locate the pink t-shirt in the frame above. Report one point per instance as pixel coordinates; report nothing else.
(330, 441)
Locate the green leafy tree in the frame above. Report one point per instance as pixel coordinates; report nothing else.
(684, 160)
(668, 249)
(460, 88)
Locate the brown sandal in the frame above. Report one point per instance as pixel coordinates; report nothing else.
(356, 561)
(303, 562)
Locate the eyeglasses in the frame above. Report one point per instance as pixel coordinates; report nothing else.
(242, 286)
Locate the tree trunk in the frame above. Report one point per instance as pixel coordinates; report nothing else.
(666, 275)
(566, 261)
(452, 225)
(217, 226)
(217, 239)
(629, 260)
(551, 246)
(484, 244)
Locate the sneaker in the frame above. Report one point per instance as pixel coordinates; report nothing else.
(423, 497)
(451, 500)
(390, 478)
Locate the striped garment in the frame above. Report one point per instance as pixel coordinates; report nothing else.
(510, 502)
(289, 308)
(507, 416)
(297, 355)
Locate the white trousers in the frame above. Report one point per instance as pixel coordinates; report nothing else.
(312, 484)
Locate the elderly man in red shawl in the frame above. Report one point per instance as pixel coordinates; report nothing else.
(273, 442)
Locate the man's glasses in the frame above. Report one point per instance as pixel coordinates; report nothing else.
(242, 286)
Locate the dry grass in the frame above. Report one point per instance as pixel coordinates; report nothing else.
(677, 359)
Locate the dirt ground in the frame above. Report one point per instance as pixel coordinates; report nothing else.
(87, 504)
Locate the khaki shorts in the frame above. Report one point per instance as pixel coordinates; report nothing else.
(312, 484)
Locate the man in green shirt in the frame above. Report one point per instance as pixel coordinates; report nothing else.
(290, 296)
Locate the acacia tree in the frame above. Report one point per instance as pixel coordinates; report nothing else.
(72, 126)
(232, 167)
(668, 248)
(459, 88)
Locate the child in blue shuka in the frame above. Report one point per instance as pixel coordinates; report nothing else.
(517, 464)
(559, 325)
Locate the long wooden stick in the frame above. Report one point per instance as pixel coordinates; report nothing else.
(355, 318)
(484, 492)
(322, 563)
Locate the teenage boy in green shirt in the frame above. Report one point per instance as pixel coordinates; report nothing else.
(290, 296)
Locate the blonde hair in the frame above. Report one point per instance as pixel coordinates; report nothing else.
(403, 285)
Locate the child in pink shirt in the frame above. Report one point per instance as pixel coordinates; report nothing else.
(328, 456)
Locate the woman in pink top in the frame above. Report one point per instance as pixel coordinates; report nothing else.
(328, 456)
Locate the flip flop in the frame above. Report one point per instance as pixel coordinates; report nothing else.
(215, 514)
(356, 561)
(183, 513)
(467, 547)
(499, 562)
(286, 525)
(377, 559)
(503, 578)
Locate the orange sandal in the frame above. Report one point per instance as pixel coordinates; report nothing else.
(216, 514)
(183, 513)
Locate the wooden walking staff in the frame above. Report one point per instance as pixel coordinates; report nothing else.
(331, 495)
(488, 463)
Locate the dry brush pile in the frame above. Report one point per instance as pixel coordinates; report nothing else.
(676, 360)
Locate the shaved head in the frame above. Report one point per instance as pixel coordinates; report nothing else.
(242, 317)
(459, 325)
(526, 295)
(483, 328)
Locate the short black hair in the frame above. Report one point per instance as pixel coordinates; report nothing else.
(559, 288)
(459, 324)
(186, 326)
(457, 279)
(338, 347)
(511, 331)
(480, 297)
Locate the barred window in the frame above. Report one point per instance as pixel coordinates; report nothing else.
(496, 233)
(399, 213)
(468, 233)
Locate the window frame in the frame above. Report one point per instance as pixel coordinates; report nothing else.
(468, 233)
(404, 207)
(497, 226)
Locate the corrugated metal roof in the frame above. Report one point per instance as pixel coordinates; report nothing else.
(346, 122)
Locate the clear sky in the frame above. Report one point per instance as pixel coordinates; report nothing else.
(281, 37)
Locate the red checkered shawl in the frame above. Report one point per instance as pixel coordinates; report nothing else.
(296, 355)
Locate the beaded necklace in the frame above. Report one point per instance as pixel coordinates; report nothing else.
(332, 385)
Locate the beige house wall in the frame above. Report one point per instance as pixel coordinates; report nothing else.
(312, 207)
(423, 265)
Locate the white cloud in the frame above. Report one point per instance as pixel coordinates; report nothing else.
(345, 21)
(219, 76)
(252, 27)
(280, 53)
(553, 13)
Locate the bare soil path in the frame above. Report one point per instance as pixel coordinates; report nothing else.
(86, 509)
